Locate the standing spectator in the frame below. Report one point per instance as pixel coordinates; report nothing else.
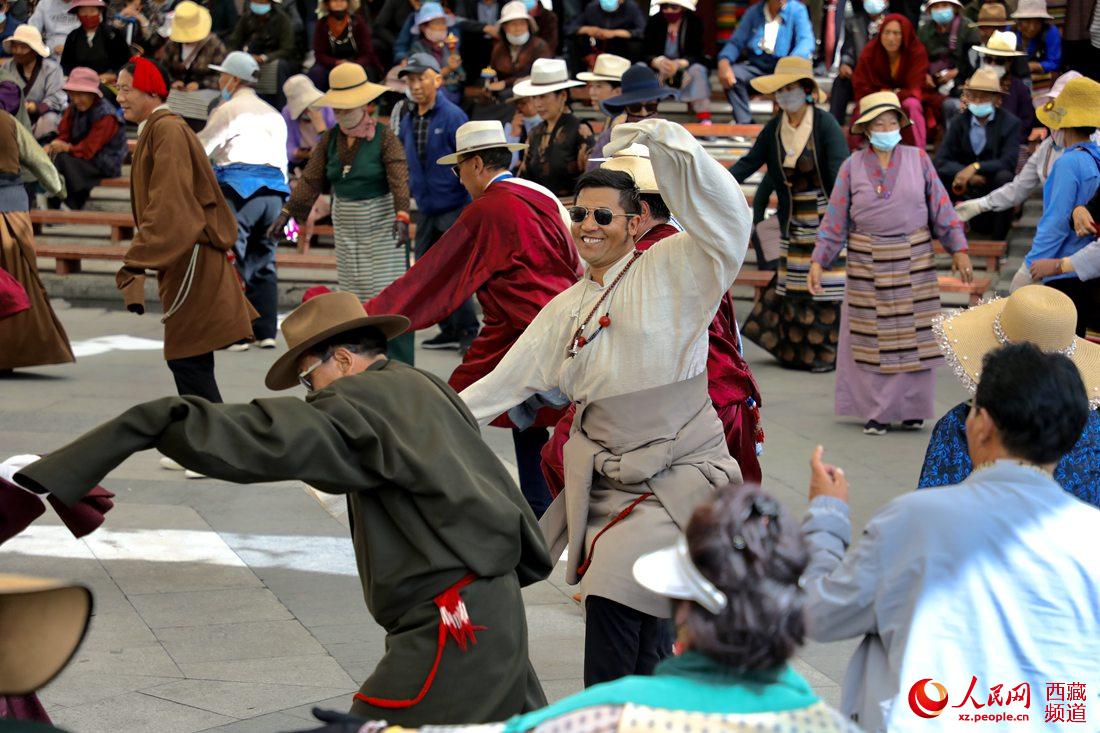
(803, 147)
(246, 139)
(433, 37)
(306, 120)
(54, 21)
(895, 62)
(946, 36)
(1081, 38)
(860, 27)
(1042, 41)
(673, 46)
(979, 152)
(265, 32)
(984, 580)
(8, 24)
(638, 99)
(886, 206)
(192, 48)
(94, 44)
(427, 134)
(559, 145)
(40, 78)
(91, 139)
(1074, 179)
(605, 26)
(518, 46)
(605, 79)
(1032, 314)
(767, 32)
(341, 34)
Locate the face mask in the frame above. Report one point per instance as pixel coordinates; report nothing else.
(433, 34)
(90, 22)
(260, 8)
(885, 140)
(874, 7)
(996, 69)
(348, 119)
(791, 100)
(1058, 138)
(983, 109)
(529, 123)
(519, 40)
(609, 6)
(672, 14)
(3, 17)
(530, 4)
(226, 94)
(943, 16)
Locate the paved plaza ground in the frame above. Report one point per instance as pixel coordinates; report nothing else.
(237, 608)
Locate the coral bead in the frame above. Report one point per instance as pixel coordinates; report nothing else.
(605, 321)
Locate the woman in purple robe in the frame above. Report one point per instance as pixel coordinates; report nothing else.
(887, 205)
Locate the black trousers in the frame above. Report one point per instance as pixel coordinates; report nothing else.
(429, 228)
(255, 253)
(841, 94)
(532, 483)
(620, 641)
(995, 223)
(80, 175)
(194, 375)
(1085, 295)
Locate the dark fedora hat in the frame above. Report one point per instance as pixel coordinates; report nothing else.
(639, 85)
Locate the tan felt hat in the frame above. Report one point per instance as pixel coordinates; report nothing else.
(42, 623)
(875, 104)
(634, 159)
(788, 70)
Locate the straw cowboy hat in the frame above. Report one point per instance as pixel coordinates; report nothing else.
(1055, 89)
(634, 159)
(349, 88)
(319, 319)
(788, 70)
(1032, 9)
(655, 7)
(984, 80)
(547, 75)
(875, 104)
(191, 23)
(516, 10)
(29, 35)
(42, 622)
(993, 15)
(608, 67)
(479, 135)
(1077, 106)
(83, 79)
(1001, 43)
(1036, 314)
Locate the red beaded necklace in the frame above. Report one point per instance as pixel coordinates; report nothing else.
(578, 341)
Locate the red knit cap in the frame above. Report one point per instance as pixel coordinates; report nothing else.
(147, 77)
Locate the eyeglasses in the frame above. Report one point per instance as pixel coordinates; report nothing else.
(457, 167)
(602, 215)
(304, 378)
(649, 108)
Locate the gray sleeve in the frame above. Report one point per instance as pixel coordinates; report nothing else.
(1086, 261)
(1016, 191)
(840, 584)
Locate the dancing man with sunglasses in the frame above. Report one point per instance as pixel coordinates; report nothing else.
(628, 345)
(511, 248)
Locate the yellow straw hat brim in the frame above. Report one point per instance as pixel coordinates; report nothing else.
(44, 622)
(772, 83)
(352, 97)
(873, 112)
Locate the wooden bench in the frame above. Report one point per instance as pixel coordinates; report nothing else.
(759, 279)
(121, 223)
(746, 131)
(70, 256)
(989, 250)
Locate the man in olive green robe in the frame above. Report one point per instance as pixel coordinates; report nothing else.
(443, 538)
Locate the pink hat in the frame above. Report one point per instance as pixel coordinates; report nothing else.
(83, 79)
(75, 4)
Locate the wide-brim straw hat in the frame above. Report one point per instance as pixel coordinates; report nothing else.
(993, 15)
(547, 75)
(319, 319)
(788, 70)
(349, 88)
(1035, 314)
(191, 23)
(516, 10)
(471, 137)
(1077, 106)
(1032, 9)
(608, 67)
(1055, 89)
(634, 159)
(1001, 43)
(984, 80)
(29, 35)
(42, 623)
(300, 94)
(875, 104)
(655, 7)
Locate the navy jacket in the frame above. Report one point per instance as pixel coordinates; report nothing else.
(435, 188)
(1001, 151)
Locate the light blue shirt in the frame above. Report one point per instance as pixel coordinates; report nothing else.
(977, 133)
(795, 38)
(997, 577)
(1073, 181)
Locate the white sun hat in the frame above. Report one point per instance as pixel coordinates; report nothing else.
(547, 75)
(479, 135)
(608, 67)
(634, 159)
(671, 573)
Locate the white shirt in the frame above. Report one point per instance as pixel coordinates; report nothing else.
(771, 32)
(247, 130)
(661, 308)
(54, 21)
(997, 577)
(159, 107)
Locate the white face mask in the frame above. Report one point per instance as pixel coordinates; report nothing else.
(996, 69)
(791, 101)
(1059, 138)
(519, 40)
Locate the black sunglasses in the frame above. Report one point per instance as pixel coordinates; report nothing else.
(602, 215)
(648, 107)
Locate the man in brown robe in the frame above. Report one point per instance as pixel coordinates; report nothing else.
(184, 229)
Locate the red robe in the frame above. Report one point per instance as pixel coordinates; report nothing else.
(511, 249)
(13, 297)
(729, 382)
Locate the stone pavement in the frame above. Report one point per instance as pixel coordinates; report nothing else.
(237, 608)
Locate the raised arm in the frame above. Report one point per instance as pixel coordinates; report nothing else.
(1016, 191)
(34, 158)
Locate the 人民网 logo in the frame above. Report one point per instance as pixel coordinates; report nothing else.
(922, 704)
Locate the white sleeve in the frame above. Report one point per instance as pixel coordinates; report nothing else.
(1016, 191)
(705, 199)
(216, 132)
